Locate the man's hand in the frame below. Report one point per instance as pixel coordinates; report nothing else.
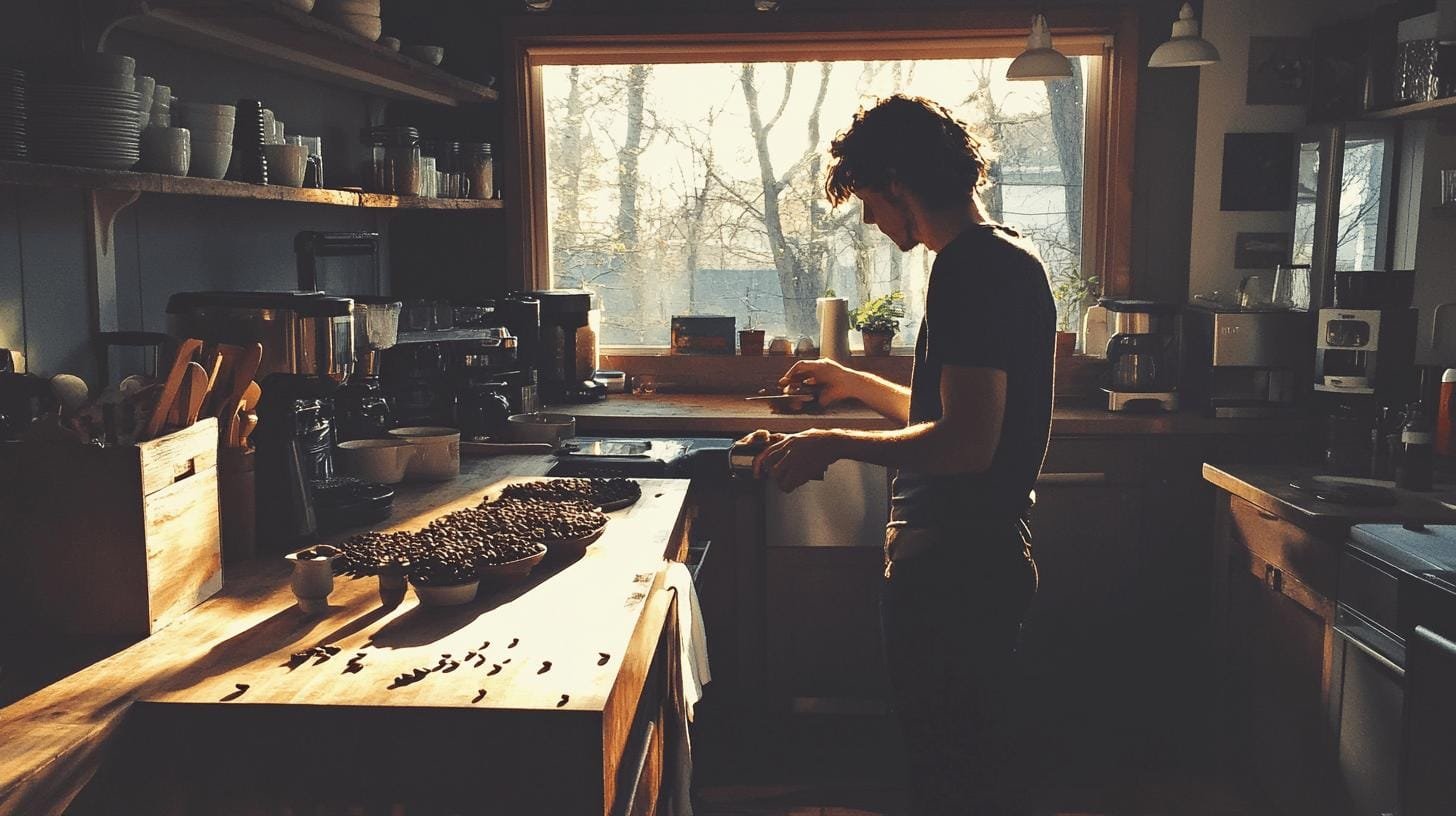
(833, 381)
(795, 459)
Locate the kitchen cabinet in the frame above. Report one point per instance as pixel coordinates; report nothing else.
(1279, 639)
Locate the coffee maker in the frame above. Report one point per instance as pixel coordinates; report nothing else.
(308, 352)
(1142, 355)
(1367, 355)
(1245, 363)
(568, 353)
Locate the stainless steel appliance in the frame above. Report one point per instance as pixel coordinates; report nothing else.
(1142, 355)
(568, 351)
(361, 409)
(1387, 589)
(1245, 364)
(1366, 353)
(308, 352)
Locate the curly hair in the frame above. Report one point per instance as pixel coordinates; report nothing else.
(914, 141)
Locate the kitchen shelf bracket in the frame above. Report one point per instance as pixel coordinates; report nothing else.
(102, 208)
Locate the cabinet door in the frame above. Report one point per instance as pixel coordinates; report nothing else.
(1078, 655)
(1279, 642)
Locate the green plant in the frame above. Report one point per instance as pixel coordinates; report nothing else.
(1070, 292)
(881, 314)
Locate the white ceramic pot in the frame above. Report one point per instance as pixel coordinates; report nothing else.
(436, 455)
(313, 577)
(286, 164)
(375, 460)
(552, 429)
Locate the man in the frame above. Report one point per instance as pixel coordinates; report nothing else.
(959, 576)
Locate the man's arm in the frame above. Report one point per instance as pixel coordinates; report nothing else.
(963, 440)
(836, 382)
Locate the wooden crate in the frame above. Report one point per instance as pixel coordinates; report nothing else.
(117, 541)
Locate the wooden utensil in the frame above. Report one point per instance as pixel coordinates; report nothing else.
(196, 393)
(185, 351)
(243, 420)
(240, 364)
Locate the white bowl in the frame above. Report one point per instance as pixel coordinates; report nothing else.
(202, 112)
(392, 43)
(286, 164)
(447, 595)
(375, 460)
(210, 160)
(553, 429)
(432, 54)
(437, 452)
(205, 134)
(102, 63)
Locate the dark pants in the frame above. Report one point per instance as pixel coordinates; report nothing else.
(951, 615)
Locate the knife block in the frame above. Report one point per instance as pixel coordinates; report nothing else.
(118, 540)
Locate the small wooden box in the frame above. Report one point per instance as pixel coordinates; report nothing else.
(121, 540)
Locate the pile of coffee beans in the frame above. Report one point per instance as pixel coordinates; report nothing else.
(556, 520)
(596, 490)
(493, 535)
(368, 553)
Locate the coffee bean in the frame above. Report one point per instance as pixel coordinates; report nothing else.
(602, 658)
(545, 667)
(494, 670)
(564, 699)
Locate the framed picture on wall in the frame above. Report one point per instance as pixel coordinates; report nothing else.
(1258, 172)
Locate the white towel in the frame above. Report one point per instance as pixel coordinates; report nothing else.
(692, 674)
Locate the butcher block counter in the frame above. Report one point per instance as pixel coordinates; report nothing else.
(546, 697)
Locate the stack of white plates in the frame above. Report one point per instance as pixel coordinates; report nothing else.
(85, 125)
(12, 114)
(358, 16)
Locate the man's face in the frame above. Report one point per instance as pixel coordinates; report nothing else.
(888, 211)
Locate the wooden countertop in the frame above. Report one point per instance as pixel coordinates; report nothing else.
(242, 640)
(1268, 487)
(728, 414)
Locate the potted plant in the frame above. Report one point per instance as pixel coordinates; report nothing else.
(1070, 292)
(877, 320)
(750, 338)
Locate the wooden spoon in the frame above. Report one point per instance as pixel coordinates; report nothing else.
(185, 350)
(196, 393)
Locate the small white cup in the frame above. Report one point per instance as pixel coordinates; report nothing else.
(286, 164)
(166, 150)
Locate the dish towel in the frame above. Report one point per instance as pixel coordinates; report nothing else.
(689, 676)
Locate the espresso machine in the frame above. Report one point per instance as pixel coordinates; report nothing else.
(1366, 356)
(308, 352)
(1142, 355)
(1245, 363)
(568, 353)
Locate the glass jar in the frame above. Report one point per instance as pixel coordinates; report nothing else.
(394, 160)
(480, 168)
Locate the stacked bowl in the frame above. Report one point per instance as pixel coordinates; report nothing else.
(358, 16)
(12, 115)
(212, 129)
(87, 113)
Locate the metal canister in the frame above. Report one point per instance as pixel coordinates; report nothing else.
(741, 457)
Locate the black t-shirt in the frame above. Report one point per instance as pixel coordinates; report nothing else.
(988, 305)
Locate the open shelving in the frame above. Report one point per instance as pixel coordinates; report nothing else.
(272, 33)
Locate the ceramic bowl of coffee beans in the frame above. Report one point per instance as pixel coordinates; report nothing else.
(607, 494)
(506, 572)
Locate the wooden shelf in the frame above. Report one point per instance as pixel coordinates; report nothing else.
(1416, 110)
(25, 174)
(272, 34)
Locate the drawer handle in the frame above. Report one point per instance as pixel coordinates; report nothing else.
(1072, 479)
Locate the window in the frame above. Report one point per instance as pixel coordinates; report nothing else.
(1347, 226)
(669, 179)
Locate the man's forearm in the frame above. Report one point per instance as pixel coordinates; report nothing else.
(886, 398)
(928, 447)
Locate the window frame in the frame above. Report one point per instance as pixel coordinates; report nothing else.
(531, 41)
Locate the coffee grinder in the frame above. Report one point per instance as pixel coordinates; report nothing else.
(361, 408)
(1142, 355)
(308, 352)
(568, 351)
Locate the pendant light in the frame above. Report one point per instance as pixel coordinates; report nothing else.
(1039, 61)
(1186, 49)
